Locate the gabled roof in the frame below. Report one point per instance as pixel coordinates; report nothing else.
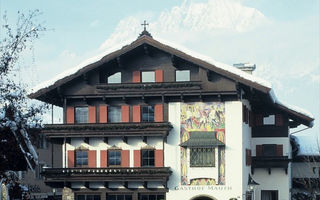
(180, 52)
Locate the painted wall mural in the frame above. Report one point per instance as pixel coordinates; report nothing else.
(202, 117)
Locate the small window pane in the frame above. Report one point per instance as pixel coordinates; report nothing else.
(147, 157)
(152, 197)
(80, 197)
(115, 78)
(147, 114)
(202, 157)
(128, 197)
(148, 76)
(81, 158)
(160, 197)
(114, 157)
(114, 114)
(81, 114)
(183, 75)
(112, 197)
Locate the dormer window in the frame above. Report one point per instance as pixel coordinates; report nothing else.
(115, 78)
(182, 75)
(148, 76)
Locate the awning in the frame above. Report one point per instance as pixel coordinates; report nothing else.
(202, 139)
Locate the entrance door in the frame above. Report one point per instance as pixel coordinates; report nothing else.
(202, 198)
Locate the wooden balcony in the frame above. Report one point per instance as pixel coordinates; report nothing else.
(269, 162)
(140, 174)
(107, 129)
(129, 89)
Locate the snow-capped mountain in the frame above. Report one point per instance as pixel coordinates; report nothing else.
(211, 16)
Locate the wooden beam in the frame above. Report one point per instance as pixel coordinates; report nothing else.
(146, 49)
(85, 77)
(119, 62)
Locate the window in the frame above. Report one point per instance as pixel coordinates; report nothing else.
(269, 194)
(81, 114)
(88, 197)
(269, 150)
(202, 157)
(147, 114)
(114, 157)
(147, 157)
(115, 78)
(81, 158)
(182, 75)
(119, 197)
(151, 197)
(148, 76)
(269, 120)
(114, 114)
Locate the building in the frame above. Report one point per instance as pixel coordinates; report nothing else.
(306, 176)
(34, 180)
(152, 122)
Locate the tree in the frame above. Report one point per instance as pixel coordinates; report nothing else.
(19, 118)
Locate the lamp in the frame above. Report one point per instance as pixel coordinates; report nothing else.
(252, 184)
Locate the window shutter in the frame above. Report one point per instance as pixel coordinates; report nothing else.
(243, 113)
(103, 158)
(248, 157)
(279, 120)
(92, 158)
(258, 150)
(136, 113)
(158, 158)
(136, 77)
(125, 158)
(125, 113)
(70, 158)
(70, 115)
(137, 158)
(103, 114)
(251, 119)
(159, 75)
(280, 150)
(259, 119)
(158, 113)
(92, 114)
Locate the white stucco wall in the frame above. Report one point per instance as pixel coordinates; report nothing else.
(246, 141)
(277, 180)
(233, 155)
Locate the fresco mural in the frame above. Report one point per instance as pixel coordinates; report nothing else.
(203, 117)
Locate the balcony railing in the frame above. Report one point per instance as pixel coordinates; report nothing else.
(107, 174)
(107, 129)
(269, 162)
(128, 88)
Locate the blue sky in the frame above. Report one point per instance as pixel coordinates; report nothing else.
(281, 37)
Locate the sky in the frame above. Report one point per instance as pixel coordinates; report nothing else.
(281, 37)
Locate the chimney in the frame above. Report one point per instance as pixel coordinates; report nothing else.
(246, 67)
